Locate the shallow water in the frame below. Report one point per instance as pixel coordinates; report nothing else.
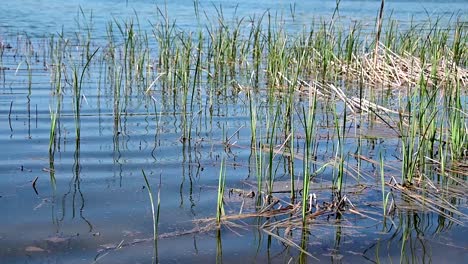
(99, 207)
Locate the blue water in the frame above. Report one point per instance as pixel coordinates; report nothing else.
(37, 18)
(100, 196)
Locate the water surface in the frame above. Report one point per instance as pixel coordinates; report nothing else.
(100, 200)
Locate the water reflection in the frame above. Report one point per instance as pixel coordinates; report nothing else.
(74, 195)
(335, 254)
(411, 234)
(219, 247)
(303, 256)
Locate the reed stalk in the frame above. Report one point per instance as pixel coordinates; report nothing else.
(220, 201)
(154, 212)
(309, 128)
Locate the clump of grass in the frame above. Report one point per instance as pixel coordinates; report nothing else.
(340, 131)
(309, 128)
(78, 77)
(457, 126)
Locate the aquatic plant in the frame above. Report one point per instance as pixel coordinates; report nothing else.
(221, 186)
(309, 116)
(154, 212)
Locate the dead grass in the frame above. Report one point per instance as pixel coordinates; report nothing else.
(394, 70)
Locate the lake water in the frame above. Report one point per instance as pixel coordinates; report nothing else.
(37, 18)
(88, 202)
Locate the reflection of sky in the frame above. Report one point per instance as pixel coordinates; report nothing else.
(48, 16)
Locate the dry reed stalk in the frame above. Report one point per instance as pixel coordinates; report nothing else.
(431, 200)
(388, 68)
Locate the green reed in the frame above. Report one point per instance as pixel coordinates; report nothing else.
(57, 52)
(408, 144)
(255, 145)
(340, 130)
(135, 64)
(271, 136)
(221, 186)
(257, 47)
(277, 57)
(289, 132)
(78, 78)
(85, 25)
(352, 42)
(165, 34)
(309, 117)
(53, 129)
(382, 185)
(457, 126)
(223, 53)
(154, 212)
